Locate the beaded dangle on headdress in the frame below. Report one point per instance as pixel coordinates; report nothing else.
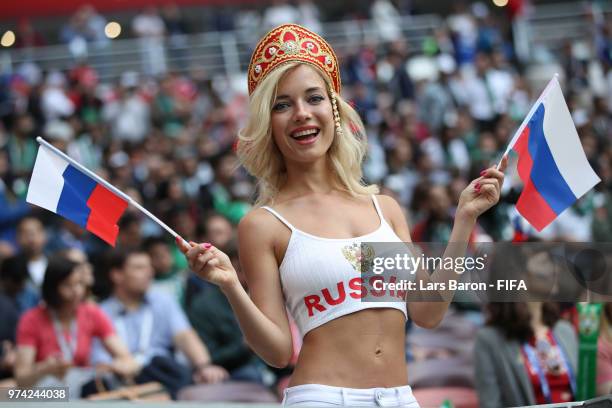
(336, 113)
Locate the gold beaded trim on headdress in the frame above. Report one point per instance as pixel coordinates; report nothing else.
(291, 42)
(336, 113)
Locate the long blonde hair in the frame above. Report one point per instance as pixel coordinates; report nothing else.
(259, 154)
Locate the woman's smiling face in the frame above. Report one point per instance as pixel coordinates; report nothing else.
(302, 117)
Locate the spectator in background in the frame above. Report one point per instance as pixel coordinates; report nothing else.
(479, 95)
(247, 21)
(365, 102)
(67, 234)
(169, 114)
(533, 334)
(489, 36)
(55, 103)
(359, 66)
(86, 26)
(11, 209)
(387, 19)
(31, 241)
(391, 72)
(437, 102)
(85, 267)
(221, 192)
(602, 216)
(128, 114)
(280, 12)
(310, 16)
(502, 79)
(121, 171)
(401, 176)
(437, 222)
(8, 327)
(214, 321)
(21, 145)
(218, 231)
(181, 219)
(447, 150)
(176, 28)
(153, 325)
(167, 277)
(207, 99)
(196, 173)
(57, 335)
(464, 32)
(16, 284)
(59, 133)
(602, 122)
(150, 28)
(88, 115)
(170, 193)
(130, 231)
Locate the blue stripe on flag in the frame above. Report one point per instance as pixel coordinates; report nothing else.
(545, 174)
(73, 200)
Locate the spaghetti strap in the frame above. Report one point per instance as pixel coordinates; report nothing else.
(280, 217)
(378, 210)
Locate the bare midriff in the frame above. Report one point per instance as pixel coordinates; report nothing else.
(365, 349)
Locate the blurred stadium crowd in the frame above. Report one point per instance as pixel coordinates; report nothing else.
(435, 117)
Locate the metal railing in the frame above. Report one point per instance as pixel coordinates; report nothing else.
(554, 24)
(229, 52)
(215, 52)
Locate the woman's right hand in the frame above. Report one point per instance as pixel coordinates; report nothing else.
(209, 263)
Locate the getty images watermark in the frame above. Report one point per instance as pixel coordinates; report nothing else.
(486, 272)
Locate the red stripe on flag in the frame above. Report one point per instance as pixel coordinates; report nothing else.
(521, 147)
(530, 204)
(106, 209)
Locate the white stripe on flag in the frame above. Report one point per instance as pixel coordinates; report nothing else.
(47, 182)
(564, 143)
(520, 129)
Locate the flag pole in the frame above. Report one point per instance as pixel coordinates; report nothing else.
(106, 184)
(526, 120)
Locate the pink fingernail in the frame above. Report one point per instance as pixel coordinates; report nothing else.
(477, 186)
(482, 173)
(206, 245)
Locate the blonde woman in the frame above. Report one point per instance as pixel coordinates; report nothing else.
(305, 145)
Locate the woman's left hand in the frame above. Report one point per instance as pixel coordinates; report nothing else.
(483, 192)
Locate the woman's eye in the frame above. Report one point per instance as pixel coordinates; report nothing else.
(280, 106)
(316, 99)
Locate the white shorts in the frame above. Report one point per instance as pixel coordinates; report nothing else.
(315, 395)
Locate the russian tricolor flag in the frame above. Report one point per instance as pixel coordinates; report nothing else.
(61, 187)
(551, 161)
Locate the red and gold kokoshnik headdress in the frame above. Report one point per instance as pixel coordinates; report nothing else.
(291, 42)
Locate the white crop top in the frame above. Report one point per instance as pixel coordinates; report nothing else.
(321, 280)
